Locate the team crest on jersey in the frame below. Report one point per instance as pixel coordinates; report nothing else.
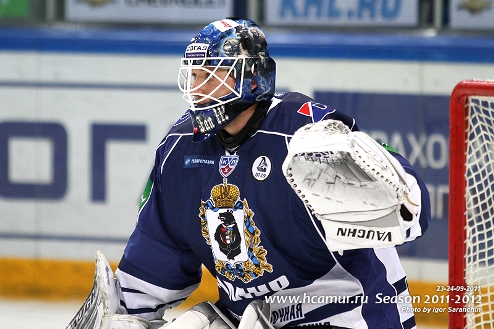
(229, 228)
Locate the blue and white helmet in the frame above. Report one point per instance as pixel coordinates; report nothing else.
(239, 46)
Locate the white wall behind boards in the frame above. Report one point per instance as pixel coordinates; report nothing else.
(78, 93)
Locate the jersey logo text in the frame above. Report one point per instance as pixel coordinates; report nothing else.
(197, 161)
(236, 293)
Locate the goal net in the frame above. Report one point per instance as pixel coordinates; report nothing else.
(471, 206)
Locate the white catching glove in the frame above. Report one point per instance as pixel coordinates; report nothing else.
(351, 184)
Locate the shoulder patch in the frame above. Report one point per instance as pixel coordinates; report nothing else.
(146, 193)
(315, 110)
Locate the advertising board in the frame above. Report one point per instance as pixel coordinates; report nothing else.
(342, 13)
(471, 14)
(138, 11)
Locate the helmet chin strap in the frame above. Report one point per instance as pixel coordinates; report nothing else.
(212, 120)
(232, 143)
(207, 123)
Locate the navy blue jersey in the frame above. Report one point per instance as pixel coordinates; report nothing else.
(236, 215)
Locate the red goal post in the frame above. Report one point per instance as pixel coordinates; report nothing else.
(471, 205)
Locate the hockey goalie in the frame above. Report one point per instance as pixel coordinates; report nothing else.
(292, 209)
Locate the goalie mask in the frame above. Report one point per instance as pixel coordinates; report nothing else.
(226, 69)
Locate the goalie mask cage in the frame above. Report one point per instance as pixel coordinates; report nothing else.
(471, 206)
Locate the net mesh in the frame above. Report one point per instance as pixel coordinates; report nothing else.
(479, 272)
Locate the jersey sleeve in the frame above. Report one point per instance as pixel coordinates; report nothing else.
(158, 269)
(419, 223)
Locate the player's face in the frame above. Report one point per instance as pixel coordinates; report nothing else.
(210, 84)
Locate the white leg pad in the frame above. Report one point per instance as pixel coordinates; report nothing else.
(124, 321)
(256, 316)
(202, 316)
